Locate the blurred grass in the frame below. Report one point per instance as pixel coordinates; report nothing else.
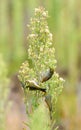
(65, 24)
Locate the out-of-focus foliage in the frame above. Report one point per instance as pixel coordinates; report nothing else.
(65, 24)
(3, 91)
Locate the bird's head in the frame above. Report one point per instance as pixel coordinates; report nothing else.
(51, 70)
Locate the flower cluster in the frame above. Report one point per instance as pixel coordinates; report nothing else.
(40, 39)
(41, 55)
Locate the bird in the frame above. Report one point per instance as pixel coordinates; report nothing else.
(44, 76)
(48, 101)
(33, 85)
(49, 104)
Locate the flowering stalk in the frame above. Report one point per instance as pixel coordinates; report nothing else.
(41, 63)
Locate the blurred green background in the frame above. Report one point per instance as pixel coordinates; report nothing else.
(65, 24)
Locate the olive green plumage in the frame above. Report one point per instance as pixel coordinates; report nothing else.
(44, 76)
(33, 85)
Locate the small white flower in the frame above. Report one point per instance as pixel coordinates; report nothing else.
(55, 61)
(47, 30)
(32, 35)
(50, 36)
(41, 30)
(50, 43)
(41, 49)
(20, 71)
(56, 74)
(61, 79)
(44, 14)
(38, 21)
(33, 28)
(37, 10)
(46, 27)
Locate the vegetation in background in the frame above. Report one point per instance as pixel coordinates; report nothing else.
(3, 92)
(65, 24)
(38, 73)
